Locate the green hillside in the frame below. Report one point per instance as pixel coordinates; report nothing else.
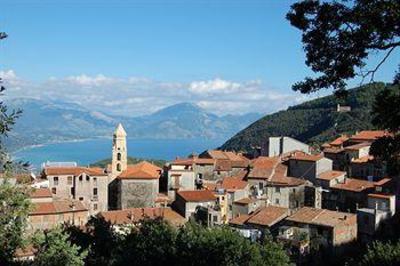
(131, 160)
(314, 122)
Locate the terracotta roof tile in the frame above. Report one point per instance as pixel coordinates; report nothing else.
(75, 171)
(307, 157)
(329, 175)
(268, 216)
(142, 170)
(357, 147)
(383, 181)
(41, 193)
(233, 183)
(355, 185)
(134, 215)
(245, 201)
(197, 195)
(364, 159)
(339, 141)
(381, 196)
(239, 220)
(56, 207)
(369, 135)
(308, 215)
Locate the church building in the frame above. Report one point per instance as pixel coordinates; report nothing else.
(130, 186)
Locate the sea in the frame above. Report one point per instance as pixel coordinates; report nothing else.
(86, 152)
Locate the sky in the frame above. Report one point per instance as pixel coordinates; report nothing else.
(134, 57)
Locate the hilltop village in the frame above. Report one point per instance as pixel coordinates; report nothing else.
(338, 195)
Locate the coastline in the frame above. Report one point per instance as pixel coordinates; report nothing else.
(33, 146)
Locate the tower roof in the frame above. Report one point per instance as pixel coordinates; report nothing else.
(120, 131)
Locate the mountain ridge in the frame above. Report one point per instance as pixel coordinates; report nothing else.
(314, 121)
(44, 122)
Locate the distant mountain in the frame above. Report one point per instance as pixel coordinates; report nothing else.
(314, 121)
(44, 122)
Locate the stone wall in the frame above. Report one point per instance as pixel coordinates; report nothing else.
(136, 193)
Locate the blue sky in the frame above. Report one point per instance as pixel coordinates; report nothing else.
(55, 45)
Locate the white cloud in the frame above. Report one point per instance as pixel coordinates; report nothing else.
(134, 96)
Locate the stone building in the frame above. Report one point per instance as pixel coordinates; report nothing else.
(187, 202)
(277, 146)
(268, 180)
(48, 212)
(255, 224)
(135, 187)
(131, 186)
(308, 166)
(86, 184)
(332, 228)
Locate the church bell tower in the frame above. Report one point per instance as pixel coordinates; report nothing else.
(119, 151)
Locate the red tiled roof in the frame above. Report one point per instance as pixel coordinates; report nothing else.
(197, 195)
(381, 196)
(329, 175)
(142, 170)
(75, 171)
(383, 181)
(191, 161)
(239, 220)
(339, 141)
(223, 165)
(369, 135)
(245, 201)
(355, 185)
(364, 159)
(56, 207)
(134, 215)
(41, 193)
(308, 215)
(233, 183)
(307, 157)
(357, 147)
(268, 216)
(283, 180)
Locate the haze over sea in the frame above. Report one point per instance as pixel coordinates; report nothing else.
(89, 151)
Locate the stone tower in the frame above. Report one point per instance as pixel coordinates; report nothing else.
(119, 152)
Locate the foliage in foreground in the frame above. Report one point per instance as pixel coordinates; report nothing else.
(382, 254)
(14, 209)
(155, 242)
(54, 248)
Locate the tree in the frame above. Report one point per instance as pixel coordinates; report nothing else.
(99, 238)
(54, 248)
(382, 254)
(152, 242)
(14, 209)
(339, 36)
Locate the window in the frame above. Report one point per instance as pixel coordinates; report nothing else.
(56, 180)
(95, 207)
(81, 198)
(69, 180)
(95, 181)
(294, 190)
(118, 167)
(215, 218)
(119, 156)
(80, 178)
(277, 189)
(87, 178)
(277, 201)
(54, 190)
(72, 191)
(95, 191)
(260, 185)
